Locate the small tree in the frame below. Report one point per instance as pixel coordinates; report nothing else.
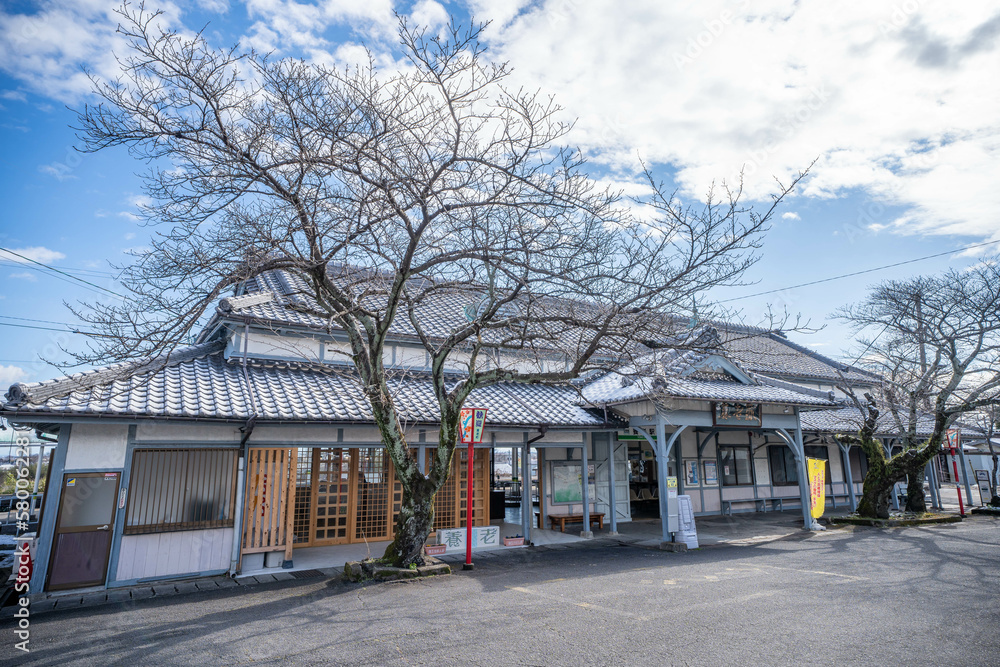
(385, 192)
(935, 341)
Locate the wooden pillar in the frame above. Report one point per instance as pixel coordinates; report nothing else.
(290, 505)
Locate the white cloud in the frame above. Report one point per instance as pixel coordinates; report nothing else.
(430, 14)
(790, 215)
(890, 101)
(47, 50)
(24, 275)
(57, 170)
(217, 6)
(37, 253)
(286, 26)
(16, 95)
(9, 375)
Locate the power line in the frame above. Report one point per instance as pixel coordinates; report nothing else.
(858, 273)
(83, 272)
(52, 268)
(28, 319)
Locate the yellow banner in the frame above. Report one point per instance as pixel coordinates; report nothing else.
(817, 486)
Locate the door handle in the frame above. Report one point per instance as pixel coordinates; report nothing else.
(104, 527)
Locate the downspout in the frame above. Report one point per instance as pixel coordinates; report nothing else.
(526, 485)
(247, 430)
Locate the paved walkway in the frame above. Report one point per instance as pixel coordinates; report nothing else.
(713, 531)
(741, 529)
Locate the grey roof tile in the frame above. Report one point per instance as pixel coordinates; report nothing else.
(676, 376)
(768, 353)
(848, 420)
(208, 386)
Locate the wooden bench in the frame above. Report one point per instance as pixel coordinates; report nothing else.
(562, 519)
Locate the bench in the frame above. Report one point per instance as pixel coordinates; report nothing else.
(562, 519)
(777, 504)
(758, 503)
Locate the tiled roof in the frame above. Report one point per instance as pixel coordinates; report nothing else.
(848, 420)
(199, 383)
(272, 297)
(771, 354)
(440, 312)
(677, 376)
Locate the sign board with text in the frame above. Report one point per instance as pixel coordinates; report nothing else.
(483, 537)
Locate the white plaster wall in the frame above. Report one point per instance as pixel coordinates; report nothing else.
(100, 446)
(559, 438)
(156, 431)
(508, 437)
(281, 346)
(337, 352)
(164, 554)
(307, 435)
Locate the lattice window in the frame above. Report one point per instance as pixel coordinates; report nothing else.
(374, 485)
(303, 496)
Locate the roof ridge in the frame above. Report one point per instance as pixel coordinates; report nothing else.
(791, 386)
(232, 303)
(39, 392)
(839, 366)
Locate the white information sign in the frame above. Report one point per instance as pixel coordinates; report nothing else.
(483, 537)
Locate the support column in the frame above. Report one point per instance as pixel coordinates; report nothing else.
(845, 457)
(798, 450)
(611, 483)
(895, 487)
(965, 472)
(804, 491)
(422, 452)
(584, 459)
(46, 530)
(929, 474)
(661, 474)
(526, 514)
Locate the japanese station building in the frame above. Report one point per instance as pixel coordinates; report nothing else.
(159, 472)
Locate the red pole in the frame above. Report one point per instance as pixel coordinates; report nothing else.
(468, 515)
(958, 487)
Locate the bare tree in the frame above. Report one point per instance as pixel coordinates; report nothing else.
(389, 194)
(935, 341)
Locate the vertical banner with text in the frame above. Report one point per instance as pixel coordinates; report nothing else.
(817, 486)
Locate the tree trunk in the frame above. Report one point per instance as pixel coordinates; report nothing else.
(413, 524)
(416, 512)
(915, 501)
(875, 494)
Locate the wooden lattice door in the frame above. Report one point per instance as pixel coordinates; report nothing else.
(333, 507)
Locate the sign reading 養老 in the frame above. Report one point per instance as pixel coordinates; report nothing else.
(483, 537)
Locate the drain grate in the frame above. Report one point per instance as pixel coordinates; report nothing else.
(306, 574)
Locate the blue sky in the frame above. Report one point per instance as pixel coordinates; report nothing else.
(891, 98)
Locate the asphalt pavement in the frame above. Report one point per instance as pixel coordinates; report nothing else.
(923, 595)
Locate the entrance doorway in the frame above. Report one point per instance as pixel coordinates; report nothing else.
(82, 543)
(351, 495)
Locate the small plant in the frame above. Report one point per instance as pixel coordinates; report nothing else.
(413, 566)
